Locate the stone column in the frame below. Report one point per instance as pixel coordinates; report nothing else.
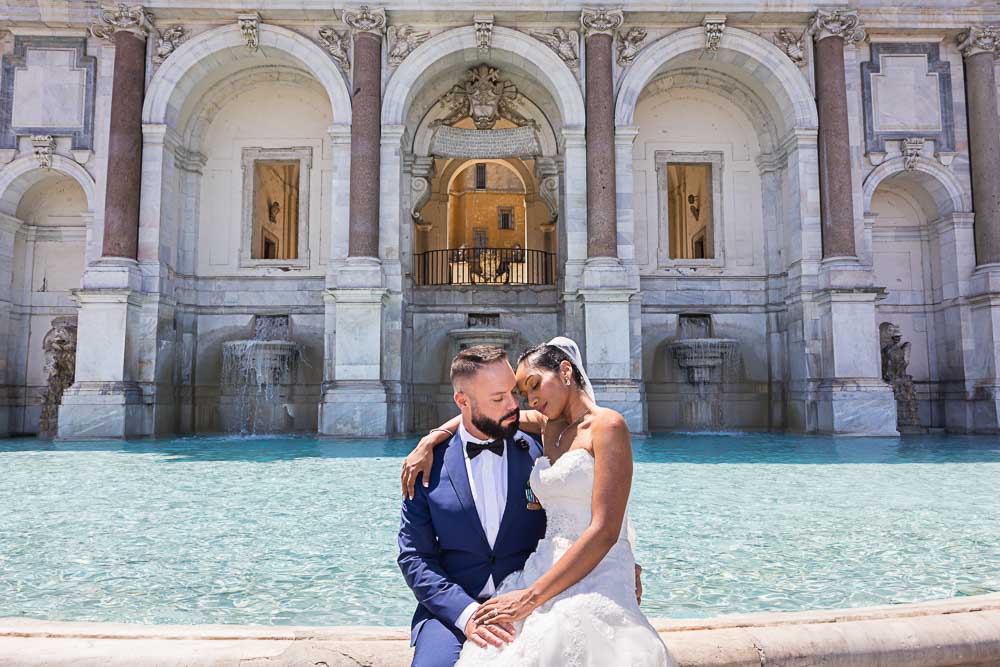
(846, 389)
(106, 400)
(830, 31)
(355, 399)
(121, 200)
(366, 130)
(979, 44)
(607, 287)
(599, 27)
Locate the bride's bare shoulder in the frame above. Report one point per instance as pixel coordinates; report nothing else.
(608, 424)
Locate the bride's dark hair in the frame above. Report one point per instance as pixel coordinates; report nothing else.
(548, 357)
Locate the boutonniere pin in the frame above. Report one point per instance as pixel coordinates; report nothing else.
(522, 443)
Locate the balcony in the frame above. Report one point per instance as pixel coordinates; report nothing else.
(484, 266)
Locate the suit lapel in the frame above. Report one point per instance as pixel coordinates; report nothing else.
(519, 465)
(454, 462)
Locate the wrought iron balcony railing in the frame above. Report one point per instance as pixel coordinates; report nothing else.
(484, 266)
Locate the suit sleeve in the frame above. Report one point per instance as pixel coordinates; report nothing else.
(419, 559)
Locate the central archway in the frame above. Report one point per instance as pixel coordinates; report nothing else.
(551, 99)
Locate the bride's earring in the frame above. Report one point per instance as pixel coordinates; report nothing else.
(566, 381)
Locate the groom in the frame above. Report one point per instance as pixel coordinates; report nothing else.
(470, 527)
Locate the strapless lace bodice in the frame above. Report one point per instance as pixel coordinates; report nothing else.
(565, 489)
(596, 621)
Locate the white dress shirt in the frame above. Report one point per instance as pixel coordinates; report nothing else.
(488, 481)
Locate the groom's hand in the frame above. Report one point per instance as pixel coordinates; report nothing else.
(496, 634)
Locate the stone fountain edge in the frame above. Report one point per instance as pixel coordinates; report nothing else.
(953, 632)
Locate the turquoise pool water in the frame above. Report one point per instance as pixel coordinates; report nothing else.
(302, 531)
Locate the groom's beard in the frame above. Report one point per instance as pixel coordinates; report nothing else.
(495, 429)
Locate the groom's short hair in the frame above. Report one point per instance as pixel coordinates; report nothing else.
(468, 362)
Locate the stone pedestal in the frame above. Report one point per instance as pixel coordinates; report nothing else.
(607, 318)
(852, 399)
(105, 401)
(355, 402)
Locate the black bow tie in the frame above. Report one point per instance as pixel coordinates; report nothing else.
(474, 449)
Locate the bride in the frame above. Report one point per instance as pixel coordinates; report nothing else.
(574, 603)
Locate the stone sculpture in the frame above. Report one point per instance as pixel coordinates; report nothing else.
(250, 29)
(402, 41)
(629, 45)
(563, 42)
(895, 360)
(791, 44)
(167, 42)
(484, 97)
(59, 346)
(337, 46)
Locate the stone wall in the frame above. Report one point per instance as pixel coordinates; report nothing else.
(748, 103)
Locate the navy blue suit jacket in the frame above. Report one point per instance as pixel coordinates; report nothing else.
(443, 551)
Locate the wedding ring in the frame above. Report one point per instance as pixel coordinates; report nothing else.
(494, 613)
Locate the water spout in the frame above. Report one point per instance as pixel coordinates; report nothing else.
(709, 363)
(258, 376)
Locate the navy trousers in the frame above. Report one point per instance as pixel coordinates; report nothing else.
(438, 645)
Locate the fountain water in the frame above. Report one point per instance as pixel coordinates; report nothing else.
(709, 363)
(258, 378)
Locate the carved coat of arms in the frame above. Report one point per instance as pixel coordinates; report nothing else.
(484, 97)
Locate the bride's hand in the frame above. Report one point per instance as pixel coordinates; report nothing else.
(507, 608)
(418, 462)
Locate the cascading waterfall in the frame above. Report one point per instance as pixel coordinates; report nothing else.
(258, 378)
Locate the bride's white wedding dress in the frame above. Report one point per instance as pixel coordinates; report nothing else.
(596, 622)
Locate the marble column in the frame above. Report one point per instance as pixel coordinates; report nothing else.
(979, 46)
(121, 200)
(356, 401)
(366, 133)
(106, 400)
(846, 389)
(599, 28)
(831, 30)
(607, 289)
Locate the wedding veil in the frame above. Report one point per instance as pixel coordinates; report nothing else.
(569, 346)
